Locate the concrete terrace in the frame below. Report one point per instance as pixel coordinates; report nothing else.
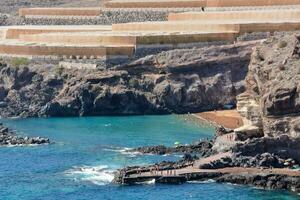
(124, 39)
(13, 32)
(130, 38)
(60, 11)
(195, 3)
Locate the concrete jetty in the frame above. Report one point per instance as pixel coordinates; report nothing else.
(194, 172)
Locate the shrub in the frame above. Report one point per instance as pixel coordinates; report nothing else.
(282, 44)
(16, 62)
(133, 83)
(58, 69)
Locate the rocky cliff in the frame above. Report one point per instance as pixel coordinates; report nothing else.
(176, 81)
(273, 87)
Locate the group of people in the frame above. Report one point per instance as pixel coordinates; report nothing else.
(157, 171)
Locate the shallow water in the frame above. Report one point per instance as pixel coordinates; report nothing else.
(80, 164)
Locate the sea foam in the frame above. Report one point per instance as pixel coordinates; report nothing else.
(99, 175)
(124, 151)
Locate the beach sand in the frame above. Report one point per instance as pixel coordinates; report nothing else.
(227, 118)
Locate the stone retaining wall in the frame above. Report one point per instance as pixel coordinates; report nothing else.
(3, 19)
(107, 16)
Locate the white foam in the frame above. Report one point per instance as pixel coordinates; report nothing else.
(151, 182)
(200, 182)
(23, 145)
(99, 175)
(118, 149)
(124, 151)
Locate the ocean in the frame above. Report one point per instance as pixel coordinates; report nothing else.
(87, 151)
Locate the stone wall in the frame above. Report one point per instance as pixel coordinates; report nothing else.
(3, 19)
(105, 18)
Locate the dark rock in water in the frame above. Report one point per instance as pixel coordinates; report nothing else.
(266, 181)
(203, 148)
(3, 104)
(7, 137)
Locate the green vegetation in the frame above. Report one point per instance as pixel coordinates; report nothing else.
(282, 44)
(58, 69)
(133, 82)
(16, 62)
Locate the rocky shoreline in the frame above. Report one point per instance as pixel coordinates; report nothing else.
(261, 78)
(264, 170)
(9, 138)
(264, 151)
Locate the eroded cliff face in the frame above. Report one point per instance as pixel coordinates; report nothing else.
(177, 81)
(273, 87)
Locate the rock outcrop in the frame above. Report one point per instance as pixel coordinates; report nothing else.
(273, 87)
(8, 137)
(176, 81)
(202, 148)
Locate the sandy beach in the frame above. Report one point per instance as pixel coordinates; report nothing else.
(227, 118)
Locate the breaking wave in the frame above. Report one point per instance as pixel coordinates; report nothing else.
(124, 151)
(99, 175)
(200, 182)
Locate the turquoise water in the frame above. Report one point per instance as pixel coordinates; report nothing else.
(80, 164)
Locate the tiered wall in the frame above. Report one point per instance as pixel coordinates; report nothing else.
(15, 32)
(189, 28)
(26, 49)
(60, 11)
(155, 3)
(257, 16)
(248, 21)
(237, 3)
(196, 3)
